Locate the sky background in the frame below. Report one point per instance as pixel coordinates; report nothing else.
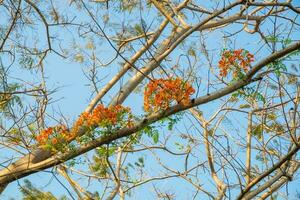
(74, 93)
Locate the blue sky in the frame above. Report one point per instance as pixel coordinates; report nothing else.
(73, 96)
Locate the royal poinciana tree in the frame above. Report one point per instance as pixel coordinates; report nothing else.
(184, 99)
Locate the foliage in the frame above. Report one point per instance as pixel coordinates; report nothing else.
(251, 94)
(7, 97)
(32, 193)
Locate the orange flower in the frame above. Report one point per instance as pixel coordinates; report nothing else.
(44, 135)
(160, 93)
(235, 60)
(51, 134)
(54, 141)
(100, 117)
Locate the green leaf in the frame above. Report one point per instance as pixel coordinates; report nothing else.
(155, 137)
(26, 61)
(271, 116)
(258, 131)
(138, 29)
(90, 45)
(179, 146)
(79, 58)
(140, 162)
(272, 38)
(287, 41)
(260, 97)
(32, 193)
(192, 52)
(292, 79)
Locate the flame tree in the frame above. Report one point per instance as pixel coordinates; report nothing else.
(178, 99)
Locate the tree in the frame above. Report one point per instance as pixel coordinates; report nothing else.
(187, 100)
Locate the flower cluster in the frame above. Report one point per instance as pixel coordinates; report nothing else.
(53, 135)
(44, 135)
(160, 93)
(101, 117)
(235, 61)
